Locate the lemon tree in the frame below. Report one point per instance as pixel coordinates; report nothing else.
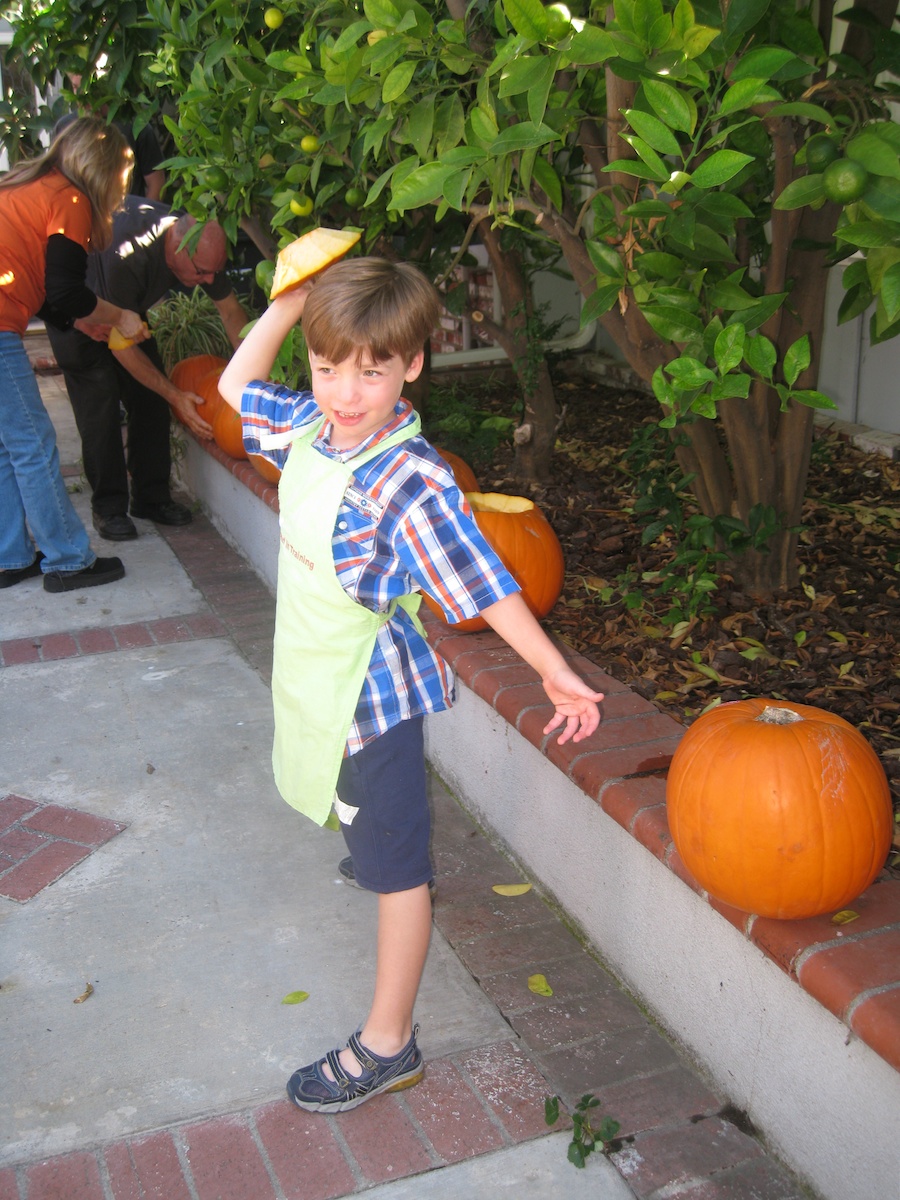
(685, 223)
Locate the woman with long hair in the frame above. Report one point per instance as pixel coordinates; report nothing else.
(53, 211)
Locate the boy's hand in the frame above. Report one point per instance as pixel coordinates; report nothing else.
(575, 704)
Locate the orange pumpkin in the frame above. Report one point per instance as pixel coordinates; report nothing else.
(208, 390)
(530, 550)
(460, 470)
(227, 431)
(267, 469)
(779, 809)
(188, 374)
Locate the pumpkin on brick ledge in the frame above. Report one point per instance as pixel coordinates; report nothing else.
(780, 809)
(530, 550)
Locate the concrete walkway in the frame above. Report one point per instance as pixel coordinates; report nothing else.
(159, 900)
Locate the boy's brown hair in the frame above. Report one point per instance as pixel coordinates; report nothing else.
(370, 306)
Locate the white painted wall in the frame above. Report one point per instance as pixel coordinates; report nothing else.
(826, 1104)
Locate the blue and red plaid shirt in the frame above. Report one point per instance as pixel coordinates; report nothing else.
(403, 526)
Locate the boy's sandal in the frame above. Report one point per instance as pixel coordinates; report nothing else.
(312, 1090)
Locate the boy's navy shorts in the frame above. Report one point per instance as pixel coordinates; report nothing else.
(389, 836)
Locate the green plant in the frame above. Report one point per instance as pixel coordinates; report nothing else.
(585, 1139)
(454, 420)
(187, 323)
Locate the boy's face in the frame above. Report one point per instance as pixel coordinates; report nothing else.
(359, 398)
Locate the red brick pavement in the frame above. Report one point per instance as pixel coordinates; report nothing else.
(588, 1036)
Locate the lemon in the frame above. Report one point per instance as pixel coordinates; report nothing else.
(821, 151)
(273, 17)
(845, 180)
(301, 206)
(309, 144)
(354, 197)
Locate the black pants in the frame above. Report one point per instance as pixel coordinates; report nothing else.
(97, 385)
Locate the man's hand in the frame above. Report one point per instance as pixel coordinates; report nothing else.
(184, 405)
(99, 333)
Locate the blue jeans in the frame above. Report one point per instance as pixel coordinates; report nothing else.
(33, 496)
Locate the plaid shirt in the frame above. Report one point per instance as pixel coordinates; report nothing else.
(421, 536)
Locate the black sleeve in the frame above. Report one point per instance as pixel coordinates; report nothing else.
(68, 296)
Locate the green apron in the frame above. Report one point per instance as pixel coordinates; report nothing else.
(323, 638)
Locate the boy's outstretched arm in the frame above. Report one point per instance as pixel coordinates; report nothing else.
(256, 355)
(575, 703)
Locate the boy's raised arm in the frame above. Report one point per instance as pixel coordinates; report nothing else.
(256, 355)
(575, 703)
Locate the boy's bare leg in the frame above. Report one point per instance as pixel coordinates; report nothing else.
(404, 932)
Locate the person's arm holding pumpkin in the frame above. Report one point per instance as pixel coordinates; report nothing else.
(255, 356)
(575, 703)
(183, 404)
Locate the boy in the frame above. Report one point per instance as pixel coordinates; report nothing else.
(369, 515)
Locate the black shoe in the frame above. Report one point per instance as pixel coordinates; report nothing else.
(170, 512)
(9, 578)
(345, 869)
(102, 570)
(117, 528)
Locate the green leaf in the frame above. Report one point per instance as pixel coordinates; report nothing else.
(869, 233)
(607, 260)
(658, 264)
(800, 108)
(669, 105)
(731, 387)
(634, 166)
(547, 179)
(295, 997)
(890, 292)
(762, 63)
(598, 303)
(875, 155)
(397, 81)
(745, 93)
(689, 373)
(551, 1109)
(730, 296)
(421, 125)
(719, 168)
(672, 324)
(760, 355)
(796, 359)
(421, 186)
(729, 350)
(527, 18)
(523, 136)
(650, 157)
(652, 130)
(812, 399)
(799, 192)
(752, 318)
(539, 985)
(591, 46)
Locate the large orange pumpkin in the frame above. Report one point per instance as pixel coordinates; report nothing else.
(530, 550)
(208, 391)
(460, 470)
(227, 432)
(779, 809)
(264, 467)
(189, 373)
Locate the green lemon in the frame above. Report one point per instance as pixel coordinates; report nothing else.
(821, 151)
(559, 22)
(265, 273)
(301, 206)
(273, 17)
(216, 179)
(354, 197)
(309, 144)
(845, 180)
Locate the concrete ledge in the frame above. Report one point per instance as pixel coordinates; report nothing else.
(798, 1022)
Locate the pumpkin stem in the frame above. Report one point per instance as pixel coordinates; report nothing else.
(771, 715)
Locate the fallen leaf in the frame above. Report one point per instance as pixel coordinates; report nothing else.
(511, 889)
(88, 991)
(295, 997)
(539, 985)
(844, 917)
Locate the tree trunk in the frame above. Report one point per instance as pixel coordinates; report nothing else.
(536, 435)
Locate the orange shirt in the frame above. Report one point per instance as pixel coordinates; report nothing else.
(29, 215)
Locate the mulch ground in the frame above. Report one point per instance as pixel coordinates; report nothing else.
(832, 643)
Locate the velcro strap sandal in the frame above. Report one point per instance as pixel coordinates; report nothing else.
(312, 1090)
